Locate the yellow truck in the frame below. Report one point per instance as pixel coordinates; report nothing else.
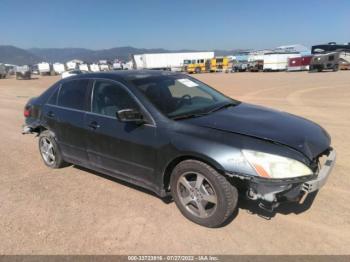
(195, 66)
(216, 64)
(219, 64)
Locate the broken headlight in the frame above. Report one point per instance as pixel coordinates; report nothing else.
(274, 166)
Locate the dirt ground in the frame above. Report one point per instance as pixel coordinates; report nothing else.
(74, 211)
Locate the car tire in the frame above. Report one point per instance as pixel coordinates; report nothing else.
(50, 151)
(191, 199)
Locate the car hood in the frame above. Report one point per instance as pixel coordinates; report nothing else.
(263, 123)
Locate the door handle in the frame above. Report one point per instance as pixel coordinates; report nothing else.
(94, 125)
(51, 114)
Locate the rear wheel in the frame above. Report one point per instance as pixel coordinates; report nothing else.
(49, 150)
(202, 194)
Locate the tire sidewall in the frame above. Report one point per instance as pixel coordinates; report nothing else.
(218, 217)
(58, 157)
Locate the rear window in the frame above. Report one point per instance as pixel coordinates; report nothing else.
(73, 94)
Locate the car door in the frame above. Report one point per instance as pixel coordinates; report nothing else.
(67, 118)
(121, 148)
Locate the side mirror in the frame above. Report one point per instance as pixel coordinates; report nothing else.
(130, 115)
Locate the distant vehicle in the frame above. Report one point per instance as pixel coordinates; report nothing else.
(45, 68)
(84, 67)
(59, 68)
(196, 66)
(35, 70)
(218, 64)
(277, 61)
(328, 61)
(330, 47)
(3, 72)
(23, 72)
(240, 66)
(168, 61)
(343, 64)
(95, 68)
(72, 73)
(71, 65)
(344, 60)
(256, 66)
(127, 65)
(117, 66)
(104, 67)
(299, 63)
(10, 69)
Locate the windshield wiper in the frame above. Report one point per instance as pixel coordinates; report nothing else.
(222, 107)
(188, 116)
(193, 115)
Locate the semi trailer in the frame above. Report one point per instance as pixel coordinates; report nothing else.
(168, 61)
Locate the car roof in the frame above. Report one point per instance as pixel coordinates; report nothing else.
(126, 75)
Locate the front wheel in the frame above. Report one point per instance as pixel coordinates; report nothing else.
(49, 150)
(202, 194)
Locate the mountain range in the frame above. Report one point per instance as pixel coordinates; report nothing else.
(18, 56)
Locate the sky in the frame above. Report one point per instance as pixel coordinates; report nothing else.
(173, 24)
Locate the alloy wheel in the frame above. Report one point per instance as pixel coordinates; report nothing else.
(47, 151)
(197, 194)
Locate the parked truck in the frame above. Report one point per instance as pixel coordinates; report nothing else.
(196, 66)
(168, 61)
(23, 72)
(255, 65)
(325, 61)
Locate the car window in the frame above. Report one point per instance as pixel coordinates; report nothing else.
(73, 94)
(109, 98)
(53, 98)
(178, 94)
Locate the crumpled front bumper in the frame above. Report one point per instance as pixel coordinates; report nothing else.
(272, 193)
(325, 171)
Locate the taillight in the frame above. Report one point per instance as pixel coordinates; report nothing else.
(27, 112)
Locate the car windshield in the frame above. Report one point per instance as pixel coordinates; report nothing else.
(178, 96)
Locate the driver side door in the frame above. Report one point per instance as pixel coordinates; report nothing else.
(119, 148)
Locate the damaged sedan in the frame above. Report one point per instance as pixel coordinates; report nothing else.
(176, 136)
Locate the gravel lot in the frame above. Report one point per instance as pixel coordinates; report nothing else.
(76, 211)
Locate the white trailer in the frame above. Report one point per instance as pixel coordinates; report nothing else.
(128, 65)
(73, 64)
(84, 67)
(104, 67)
(44, 68)
(277, 61)
(117, 66)
(95, 68)
(345, 56)
(169, 61)
(59, 68)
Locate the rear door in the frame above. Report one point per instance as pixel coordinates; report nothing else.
(68, 117)
(126, 149)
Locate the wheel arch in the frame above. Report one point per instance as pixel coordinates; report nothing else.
(166, 174)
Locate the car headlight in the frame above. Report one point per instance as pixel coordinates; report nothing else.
(274, 166)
